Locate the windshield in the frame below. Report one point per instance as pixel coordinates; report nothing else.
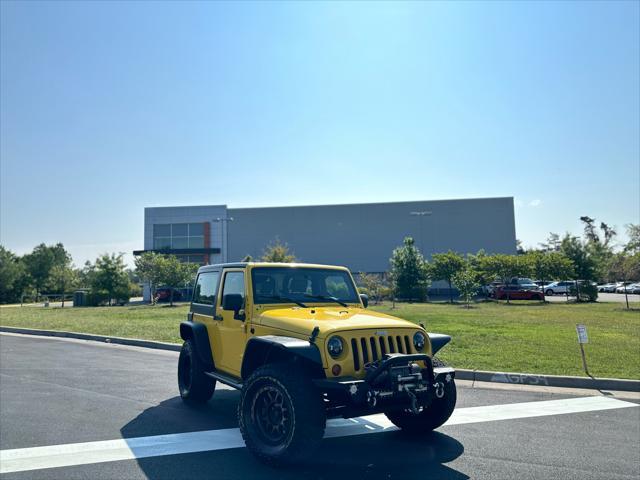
(310, 285)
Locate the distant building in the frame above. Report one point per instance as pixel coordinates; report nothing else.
(358, 236)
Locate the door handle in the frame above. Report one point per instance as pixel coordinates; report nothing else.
(218, 317)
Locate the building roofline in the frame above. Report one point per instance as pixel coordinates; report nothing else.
(340, 204)
(375, 203)
(186, 206)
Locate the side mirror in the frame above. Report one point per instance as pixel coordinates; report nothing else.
(365, 300)
(234, 302)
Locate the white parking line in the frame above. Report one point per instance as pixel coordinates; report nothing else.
(36, 458)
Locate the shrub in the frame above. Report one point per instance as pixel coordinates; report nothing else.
(587, 293)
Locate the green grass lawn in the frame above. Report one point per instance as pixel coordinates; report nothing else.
(522, 337)
(531, 337)
(141, 321)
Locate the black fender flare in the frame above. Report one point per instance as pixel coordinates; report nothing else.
(197, 332)
(438, 340)
(274, 348)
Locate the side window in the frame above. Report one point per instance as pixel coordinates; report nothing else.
(205, 291)
(233, 283)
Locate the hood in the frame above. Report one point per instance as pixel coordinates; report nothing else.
(328, 319)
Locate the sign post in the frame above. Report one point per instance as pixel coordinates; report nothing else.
(582, 339)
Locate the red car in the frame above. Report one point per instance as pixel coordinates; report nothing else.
(163, 294)
(517, 293)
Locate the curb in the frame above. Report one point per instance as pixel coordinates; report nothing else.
(132, 342)
(618, 384)
(461, 374)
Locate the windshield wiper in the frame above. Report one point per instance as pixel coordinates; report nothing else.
(326, 297)
(286, 299)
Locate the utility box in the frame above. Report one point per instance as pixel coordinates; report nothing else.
(80, 298)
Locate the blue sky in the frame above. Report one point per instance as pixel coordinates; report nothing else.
(106, 108)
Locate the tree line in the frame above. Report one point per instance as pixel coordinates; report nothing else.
(48, 269)
(591, 258)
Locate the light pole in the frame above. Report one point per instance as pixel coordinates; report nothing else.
(421, 215)
(225, 235)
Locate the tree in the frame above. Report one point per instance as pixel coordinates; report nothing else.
(505, 267)
(546, 266)
(560, 267)
(109, 278)
(590, 232)
(148, 268)
(552, 244)
(632, 266)
(62, 278)
(477, 264)
(633, 232)
(278, 252)
(175, 274)
(444, 266)
(373, 284)
(608, 232)
(583, 264)
(40, 262)
(466, 281)
(84, 275)
(13, 277)
(409, 272)
(624, 267)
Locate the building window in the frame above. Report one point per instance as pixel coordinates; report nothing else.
(199, 259)
(178, 235)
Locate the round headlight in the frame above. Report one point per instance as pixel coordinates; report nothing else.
(335, 346)
(419, 340)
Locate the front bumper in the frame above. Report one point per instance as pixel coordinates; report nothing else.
(395, 382)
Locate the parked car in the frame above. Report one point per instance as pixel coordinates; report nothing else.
(558, 287)
(524, 283)
(622, 286)
(163, 294)
(515, 292)
(491, 288)
(611, 287)
(634, 288)
(607, 287)
(630, 287)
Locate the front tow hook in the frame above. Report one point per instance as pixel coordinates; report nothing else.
(439, 389)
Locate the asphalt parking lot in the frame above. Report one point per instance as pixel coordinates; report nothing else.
(109, 411)
(602, 297)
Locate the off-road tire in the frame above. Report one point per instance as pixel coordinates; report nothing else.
(195, 387)
(430, 418)
(307, 416)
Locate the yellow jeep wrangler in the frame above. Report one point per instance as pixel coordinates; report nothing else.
(298, 342)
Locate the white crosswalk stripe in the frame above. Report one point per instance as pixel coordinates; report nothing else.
(36, 458)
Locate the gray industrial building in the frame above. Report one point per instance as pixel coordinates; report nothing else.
(359, 236)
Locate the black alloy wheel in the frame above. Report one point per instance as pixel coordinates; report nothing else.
(272, 413)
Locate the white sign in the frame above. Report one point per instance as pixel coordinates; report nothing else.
(582, 333)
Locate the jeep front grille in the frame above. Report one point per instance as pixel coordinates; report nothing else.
(371, 349)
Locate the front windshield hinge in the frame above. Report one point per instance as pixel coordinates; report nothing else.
(314, 335)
